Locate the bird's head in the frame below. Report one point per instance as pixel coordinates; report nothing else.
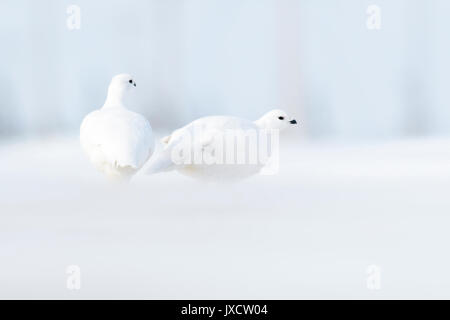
(276, 119)
(120, 87)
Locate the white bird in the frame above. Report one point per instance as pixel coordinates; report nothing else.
(117, 141)
(187, 149)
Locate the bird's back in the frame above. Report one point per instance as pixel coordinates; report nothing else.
(210, 124)
(116, 137)
(223, 123)
(203, 132)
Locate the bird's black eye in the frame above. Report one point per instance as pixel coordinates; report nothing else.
(281, 118)
(131, 81)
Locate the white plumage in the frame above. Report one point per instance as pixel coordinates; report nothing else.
(203, 135)
(117, 141)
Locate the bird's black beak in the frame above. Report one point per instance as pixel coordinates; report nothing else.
(293, 121)
(135, 84)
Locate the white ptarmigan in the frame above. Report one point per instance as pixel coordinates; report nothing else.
(117, 141)
(206, 136)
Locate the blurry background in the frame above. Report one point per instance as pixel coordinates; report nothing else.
(316, 59)
(363, 179)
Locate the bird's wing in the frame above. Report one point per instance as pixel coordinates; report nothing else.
(89, 138)
(200, 134)
(163, 161)
(123, 137)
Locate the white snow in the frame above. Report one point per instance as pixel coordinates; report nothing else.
(308, 232)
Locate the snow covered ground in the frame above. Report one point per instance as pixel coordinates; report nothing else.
(310, 231)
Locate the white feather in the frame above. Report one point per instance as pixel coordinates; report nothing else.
(117, 141)
(211, 127)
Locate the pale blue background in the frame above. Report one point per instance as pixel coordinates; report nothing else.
(364, 178)
(316, 59)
